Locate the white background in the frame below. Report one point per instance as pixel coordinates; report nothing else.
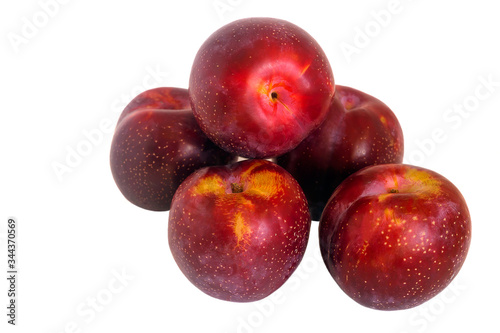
(72, 75)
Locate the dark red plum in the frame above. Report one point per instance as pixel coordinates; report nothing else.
(259, 86)
(238, 232)
(156, 146)
(359, 131)
(393, 236)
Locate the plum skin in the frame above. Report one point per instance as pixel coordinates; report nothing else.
(393, 236)
(238, 232)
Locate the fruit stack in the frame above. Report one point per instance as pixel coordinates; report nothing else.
(262, 143)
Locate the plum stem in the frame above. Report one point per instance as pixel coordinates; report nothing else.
(236, 187)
